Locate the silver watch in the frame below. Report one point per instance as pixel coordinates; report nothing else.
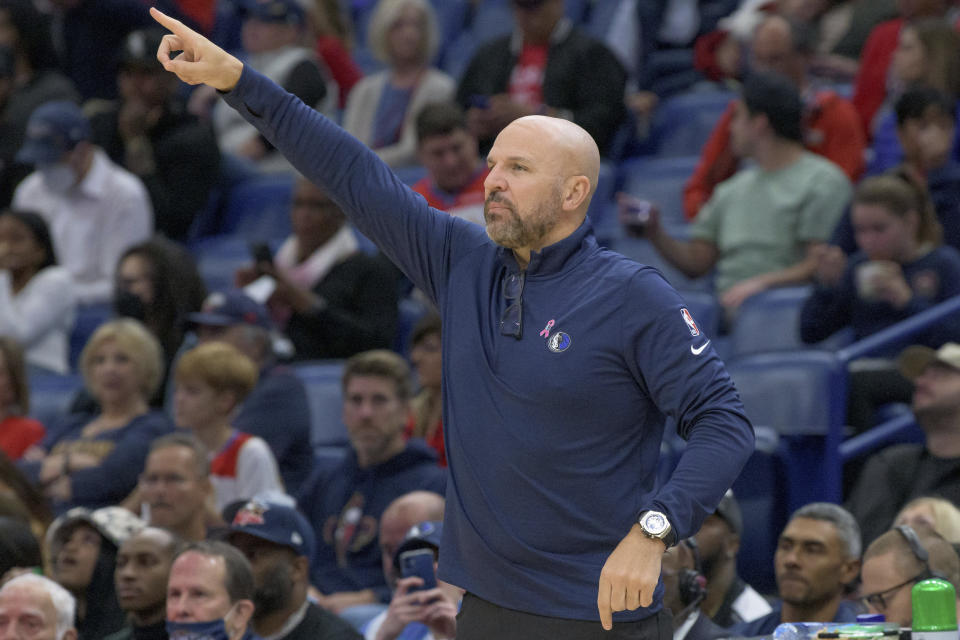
(654, 524)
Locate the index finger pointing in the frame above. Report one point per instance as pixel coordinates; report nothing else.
(603, 604)
(172, 24)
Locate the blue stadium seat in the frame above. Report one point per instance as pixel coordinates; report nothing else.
(218, 259)
(600, 17)
(322, 380)
(259, 209)
(769, 321)
(86, 321)
(51, 395)
(683, 123)
(491, 18)
(410, 312)
(661, 181)
(451, 19)
(795, 392)
(456, 57)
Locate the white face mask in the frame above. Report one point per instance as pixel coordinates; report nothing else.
(58, 177)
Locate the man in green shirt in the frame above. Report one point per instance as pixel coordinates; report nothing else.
(765, 226)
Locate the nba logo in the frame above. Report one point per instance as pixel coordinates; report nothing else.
(694, 331)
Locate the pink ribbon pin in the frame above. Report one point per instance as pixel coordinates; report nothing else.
(546, 330)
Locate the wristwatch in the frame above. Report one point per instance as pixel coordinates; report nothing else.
(655, 524)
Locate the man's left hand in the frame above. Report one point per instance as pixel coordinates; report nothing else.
(735, 296)
(629, 576)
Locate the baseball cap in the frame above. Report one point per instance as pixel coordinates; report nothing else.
(116, 524)
(423, 535)
(287, 11)
(729, 511)
(227, 308)
(913, 360)
(53, 129)
(140, 49)
(275, 523)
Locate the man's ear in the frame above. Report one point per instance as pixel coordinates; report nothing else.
(238, 618)
(849, 571)
(731, 546)
(576, 191)
(69, 634)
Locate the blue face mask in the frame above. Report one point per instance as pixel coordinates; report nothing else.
(212, 630)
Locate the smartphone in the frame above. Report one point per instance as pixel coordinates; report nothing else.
(419, 562)
(635, 214)
(261, 252)
(479, 101)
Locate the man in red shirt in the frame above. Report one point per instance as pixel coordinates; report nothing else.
(831, 126)
(454, 180)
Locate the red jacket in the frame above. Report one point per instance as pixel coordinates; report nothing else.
(870, 86)
(831, 129)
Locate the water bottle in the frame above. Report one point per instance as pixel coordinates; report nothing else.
(934, 610)
(801, 630)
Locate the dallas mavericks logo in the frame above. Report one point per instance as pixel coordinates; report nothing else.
(559, 342)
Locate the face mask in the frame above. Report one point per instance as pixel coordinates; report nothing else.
(58, 177)
(129, 305)
(212, 630)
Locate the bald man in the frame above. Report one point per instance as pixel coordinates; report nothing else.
(560, 365)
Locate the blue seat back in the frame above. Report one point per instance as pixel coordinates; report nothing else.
(260, 208)
(88, 318)
(683, 123)
(769, 321)
(322, 380)
(51, 395)
(794, 392)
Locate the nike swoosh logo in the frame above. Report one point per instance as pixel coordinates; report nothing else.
(698, 350)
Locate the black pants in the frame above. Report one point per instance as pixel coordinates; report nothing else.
(482, 620)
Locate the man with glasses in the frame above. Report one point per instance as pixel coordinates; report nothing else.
(175, 486)
(561, 361)
(817, 558)
(896, 561)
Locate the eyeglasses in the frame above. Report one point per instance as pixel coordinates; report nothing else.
(511, 320)
(879, 599)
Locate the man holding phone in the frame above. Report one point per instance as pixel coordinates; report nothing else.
(419, 609)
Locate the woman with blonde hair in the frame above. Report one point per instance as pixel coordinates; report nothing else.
(937, 513)
(93, 459)
(382, 108)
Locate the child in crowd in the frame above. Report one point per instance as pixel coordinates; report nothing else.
(211, 382)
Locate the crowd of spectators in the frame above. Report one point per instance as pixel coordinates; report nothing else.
(186, 457)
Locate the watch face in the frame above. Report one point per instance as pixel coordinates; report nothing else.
(655, 523)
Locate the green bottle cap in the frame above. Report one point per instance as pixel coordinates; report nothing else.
(934, 606)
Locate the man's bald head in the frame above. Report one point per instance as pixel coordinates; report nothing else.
(569, 143)
(782, 46)
(401, 514)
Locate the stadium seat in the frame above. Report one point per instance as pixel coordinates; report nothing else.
(88, 318)
(683, 123)
(491, 18)
(51, 395)
(410, 175)
(600, 16)
(218, 259)
(795, 392)
(769, 321)
(322, 380)
(259, 209)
